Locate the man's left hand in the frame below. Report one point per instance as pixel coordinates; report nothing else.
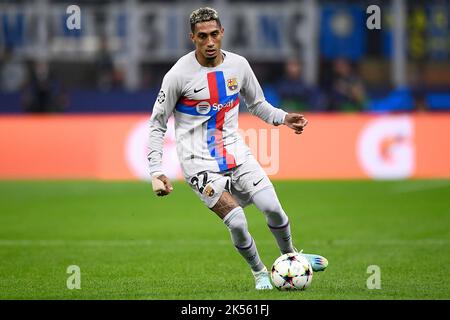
(296, 122)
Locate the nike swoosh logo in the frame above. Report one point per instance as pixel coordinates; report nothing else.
(195, 90)
(256, 183)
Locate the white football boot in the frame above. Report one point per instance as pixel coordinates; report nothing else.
(262, 280)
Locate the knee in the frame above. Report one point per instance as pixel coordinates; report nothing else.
(276, 216)
(272, 208)
(267, 202)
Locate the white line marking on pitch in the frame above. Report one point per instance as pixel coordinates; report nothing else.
(192, 242)
(420, 186)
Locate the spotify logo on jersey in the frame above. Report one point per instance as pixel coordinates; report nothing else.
(203, 107)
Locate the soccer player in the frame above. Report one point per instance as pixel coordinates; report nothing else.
(202, 91)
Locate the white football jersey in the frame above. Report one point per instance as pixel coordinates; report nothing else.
(205, 104)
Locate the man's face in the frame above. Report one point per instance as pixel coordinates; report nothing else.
(207, 37)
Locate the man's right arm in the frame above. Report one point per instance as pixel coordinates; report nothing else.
(162, 110)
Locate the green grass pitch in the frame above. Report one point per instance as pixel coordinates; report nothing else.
(130, 244)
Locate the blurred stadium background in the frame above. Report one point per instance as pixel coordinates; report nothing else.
(74, 104)
(311, 56)
(302, 51)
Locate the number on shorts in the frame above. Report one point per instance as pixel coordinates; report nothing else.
(196, 181)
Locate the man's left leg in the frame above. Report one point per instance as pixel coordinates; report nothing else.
(266, 201)
(252, 185)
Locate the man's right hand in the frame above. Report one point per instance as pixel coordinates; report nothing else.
(296, 122)
(161, 185)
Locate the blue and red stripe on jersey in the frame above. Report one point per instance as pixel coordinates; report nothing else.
(218, 96)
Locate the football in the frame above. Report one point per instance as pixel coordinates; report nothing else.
(291, 271)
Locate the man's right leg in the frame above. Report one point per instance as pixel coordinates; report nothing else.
(234, 218)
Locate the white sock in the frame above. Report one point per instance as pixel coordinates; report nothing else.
(237, 225)
(283, 237)
(267, 201)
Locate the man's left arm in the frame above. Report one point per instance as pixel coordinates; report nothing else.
(258, 106)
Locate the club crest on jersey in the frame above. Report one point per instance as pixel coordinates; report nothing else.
(232, 84)
(203, 107)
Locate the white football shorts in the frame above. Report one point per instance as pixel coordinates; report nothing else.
(242, 182)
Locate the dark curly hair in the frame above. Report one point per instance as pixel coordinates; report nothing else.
(203, 15)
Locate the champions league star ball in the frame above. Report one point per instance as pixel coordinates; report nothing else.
(291, 271)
